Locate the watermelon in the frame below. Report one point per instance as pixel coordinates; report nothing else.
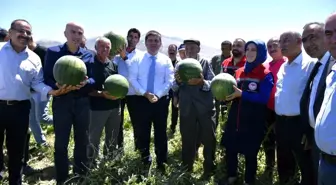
(189, 68)
(116, 85)
(117, 42)
(69, 70)
(222, 85)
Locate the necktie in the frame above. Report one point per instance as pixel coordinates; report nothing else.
(151, 75)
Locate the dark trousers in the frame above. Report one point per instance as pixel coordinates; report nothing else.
(174, 115)
(269, 142)
(157, 114)
(70, 111)
(135, 113)
(219, 110)
(121, 127)
(14, 121)
(196, 127)
(290, 151)
(26, 151)
(2, 162)
(315, 154)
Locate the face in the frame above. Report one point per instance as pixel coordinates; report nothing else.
(83, 43)
(226, 49)
(153, 43)
(191, 50)
(172, 52)
(313, 41)
(330, 35)
(238, 48)
(133, 39)
(103, 48)
(182, 54)
(251, 52)
(289, 44)
(273, 48)
(20, 34)
(74, 34)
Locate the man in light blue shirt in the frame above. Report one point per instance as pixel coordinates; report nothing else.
(20, 70)
(325, 128)
(151, 77)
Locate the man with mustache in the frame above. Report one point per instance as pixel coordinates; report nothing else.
(197, 112)
(20, 71)
(172, 52)
(237, 59)
(273, 47)
(72, 108)
(325, 121)
(125, 58)
(292, 78)
(216, 63)
(311, 101)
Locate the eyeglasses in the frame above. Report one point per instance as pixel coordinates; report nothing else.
(22, 31)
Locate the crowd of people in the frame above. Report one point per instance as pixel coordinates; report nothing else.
(288, 101)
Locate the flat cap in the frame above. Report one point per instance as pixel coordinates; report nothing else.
(181, 47)
(197, 42)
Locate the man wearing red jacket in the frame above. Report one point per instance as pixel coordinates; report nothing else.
(238, 58)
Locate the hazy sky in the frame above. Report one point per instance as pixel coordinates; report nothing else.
(211, 21)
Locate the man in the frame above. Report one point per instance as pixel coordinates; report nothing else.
(122, 61)
(273, 48)
(152, 77)
(292, 78)
(105, 109)
(197, 112)
(325, 120)
(311, 101)
(181, 51)
(238, 58)
(20, 70)
(3, 35)
(71, 109)
(172, 52)
(216, 63)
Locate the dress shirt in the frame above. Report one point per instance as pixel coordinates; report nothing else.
(325, 127)
(292, 79)
(164, 74)
(19, 72)
(123, 65)
(316, 81)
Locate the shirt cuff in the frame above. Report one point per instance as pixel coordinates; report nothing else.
(45, 93)
(206, 86)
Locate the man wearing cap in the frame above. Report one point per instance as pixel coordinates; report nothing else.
(181, 51)
(197, 112)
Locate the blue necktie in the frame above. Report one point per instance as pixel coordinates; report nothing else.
(151, 75)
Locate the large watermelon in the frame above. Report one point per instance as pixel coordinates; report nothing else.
(117, 42)
(189, 68)
(222, 85)
(116, 85)
(69, 70)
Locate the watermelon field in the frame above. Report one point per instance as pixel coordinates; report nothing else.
(128, 169)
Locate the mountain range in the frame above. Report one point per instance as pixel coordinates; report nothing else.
(206, 52)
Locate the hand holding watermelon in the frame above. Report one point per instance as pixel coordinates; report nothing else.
(177, 77)
(236, 94)
(108, 96)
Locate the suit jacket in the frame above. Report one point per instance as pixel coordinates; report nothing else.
(304, 102)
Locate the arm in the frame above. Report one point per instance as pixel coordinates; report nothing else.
(49, 62)
(213, 60)
(133, 71)
(169, 78)
(176, 85)
(265, 90)
(37, 81)
(208, 77)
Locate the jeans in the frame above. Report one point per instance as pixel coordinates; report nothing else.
(39, 112)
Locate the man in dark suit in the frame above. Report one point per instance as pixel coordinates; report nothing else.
(313, 43)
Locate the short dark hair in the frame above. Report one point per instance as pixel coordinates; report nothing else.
(152, 33)
(173, 45)
(226, 42)
(320, 24)
(241, 40)
(3, 34)
(17, 20)
(134, 30)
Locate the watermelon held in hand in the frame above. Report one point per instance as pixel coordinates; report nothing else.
(117, 42)
(116, 85)
(69, 70)
(222, 85)
(189, 68)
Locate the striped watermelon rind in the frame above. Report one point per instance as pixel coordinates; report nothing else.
(117, 42)
(116, 85)
(189, 68)
(222, 85)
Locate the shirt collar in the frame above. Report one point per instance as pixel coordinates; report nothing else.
(297, 60)
(65, 48)
(150, 56)
(325, 58)
(8, 45)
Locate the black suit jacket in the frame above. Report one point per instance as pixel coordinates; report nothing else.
(304, 102)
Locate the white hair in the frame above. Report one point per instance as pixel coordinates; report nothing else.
(103, 39)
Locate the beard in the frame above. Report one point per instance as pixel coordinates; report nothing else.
(236, 53)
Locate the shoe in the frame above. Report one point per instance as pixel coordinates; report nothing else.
(28, 170)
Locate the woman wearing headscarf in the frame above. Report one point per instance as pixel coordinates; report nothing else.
(245, 128)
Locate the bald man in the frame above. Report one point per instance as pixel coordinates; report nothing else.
(325, 127)
(292, 78)
(71, 109)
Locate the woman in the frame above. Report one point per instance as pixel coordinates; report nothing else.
(245, 127)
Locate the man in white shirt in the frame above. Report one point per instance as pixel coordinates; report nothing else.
(152, 77)
(313, 43)
(292, 78)
(325, 127)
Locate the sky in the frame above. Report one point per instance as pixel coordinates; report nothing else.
(210, 21)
